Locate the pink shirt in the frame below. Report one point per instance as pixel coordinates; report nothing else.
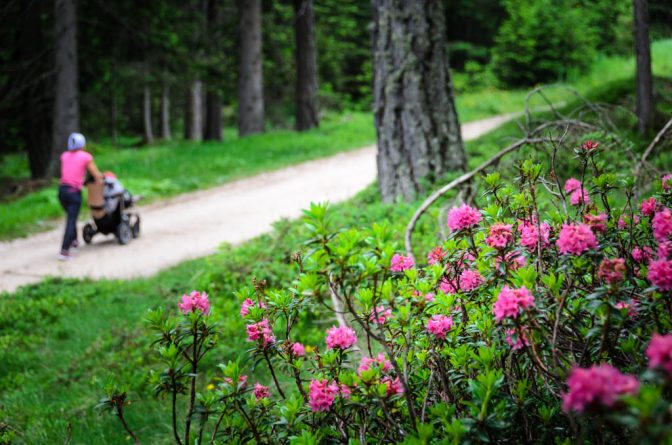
(73, 167)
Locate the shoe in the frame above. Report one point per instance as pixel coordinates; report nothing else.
(64, 255)
(74, 246)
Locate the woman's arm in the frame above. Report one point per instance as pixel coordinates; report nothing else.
(93, 169)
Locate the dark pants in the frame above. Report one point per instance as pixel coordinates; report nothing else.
(71, 201)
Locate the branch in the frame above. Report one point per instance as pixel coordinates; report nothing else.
(651, 146)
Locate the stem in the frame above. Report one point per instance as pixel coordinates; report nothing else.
(219, 422)
(249, 422)
(270, 367)
(174, 395)
(120, 414)
(192, 398)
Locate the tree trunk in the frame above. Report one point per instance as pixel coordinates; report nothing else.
(36, 104)
(250, 84)
(165, 113)
(194, 123)
(307, 113)
(147, 115)
(644, 79)
(416, 121)
(213, 117)
(66, 100)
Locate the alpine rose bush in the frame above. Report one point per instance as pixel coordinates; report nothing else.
(532, 321)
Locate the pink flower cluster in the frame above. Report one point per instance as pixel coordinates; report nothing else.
(463, 217)
(195, 301)
(247, 304)
(468, 281)
(380, 315)
(393, 386)
(515, 340)
(662, 225)
(597, 385)
(660, 274)
(612, 271)
(400, 263)
(321, 395)
(630, 306)
(642, 255)
(649, 206)
(298, 350)
(667, 185)
(529, 235)
(510, 301)
(242, 381)
(379, 362)
(436, 255)
(260, 331)
(624, 221)
(575, 239)
(597, 223)
(659, 352)
(514, 260)
(439, 325)
(340, 337)
(577, 194)
(500, 236)
(261, 391)
(589, 145)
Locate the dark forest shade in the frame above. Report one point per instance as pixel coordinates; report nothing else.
(213, 99)
(148, 133)
(416, 122)
(250, 84)
(644, 79)
(307, 112)
(166, 134)
(66, 98)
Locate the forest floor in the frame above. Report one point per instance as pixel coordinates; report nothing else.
(195, 224)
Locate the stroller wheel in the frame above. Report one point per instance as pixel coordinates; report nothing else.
(87, 233)
(124, 234)
(136, 227)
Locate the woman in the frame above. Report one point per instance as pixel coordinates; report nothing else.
(74, 164)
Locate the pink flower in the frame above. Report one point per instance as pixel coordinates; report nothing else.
(401, 263)
(470, 280)
(242, 381)
(341, 337)
(195, 301)
(514, 260)
(666, 182)
(380, 362)
(612, 271)
(260, 331)
(597, 385)
(515, 340)
(631, 307)
(642, 255)
(298, 350)
(649, 206)
(345, 391)
(439, 325)
(247, 304)
(659, 352)
(500, 236)
(380, 315)
(321, 395)
(660, 274)
(463, 217)
(579, 196)
(598, 223)
(510, 301)
(572, 184)
(575, 239)
(662, 225)
(436, 255)
(624, 223)
(260, 391)
(664, 250)
(589, 145)
(394, 386)
(529, 235)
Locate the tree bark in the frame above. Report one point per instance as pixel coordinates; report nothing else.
(307, 113)
(213, 100)
(66, 95)
(35, 103)
(250, 77)
(147, 115)
(194, 121)
(165, 113)
(213, 117)
(644, 78)
(416, 121)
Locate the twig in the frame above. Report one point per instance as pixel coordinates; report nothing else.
(651, 146)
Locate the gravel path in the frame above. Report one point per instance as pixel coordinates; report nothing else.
(195, 224)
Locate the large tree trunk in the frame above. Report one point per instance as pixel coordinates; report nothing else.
(36, 104)
(645, 105)
(194, 118)
(213, 117)
(147, 115)
(250, 84)
(66, 100)
(416, 122)
(307, 113)
(165, 113)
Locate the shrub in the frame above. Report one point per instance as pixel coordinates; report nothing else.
(540, 318)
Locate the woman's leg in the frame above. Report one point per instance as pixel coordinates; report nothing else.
(71, 201)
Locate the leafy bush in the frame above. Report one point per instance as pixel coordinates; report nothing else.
(542, 317)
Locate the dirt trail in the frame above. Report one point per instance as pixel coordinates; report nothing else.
(195, 224)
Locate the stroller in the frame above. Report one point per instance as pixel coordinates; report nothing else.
(109, 203)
